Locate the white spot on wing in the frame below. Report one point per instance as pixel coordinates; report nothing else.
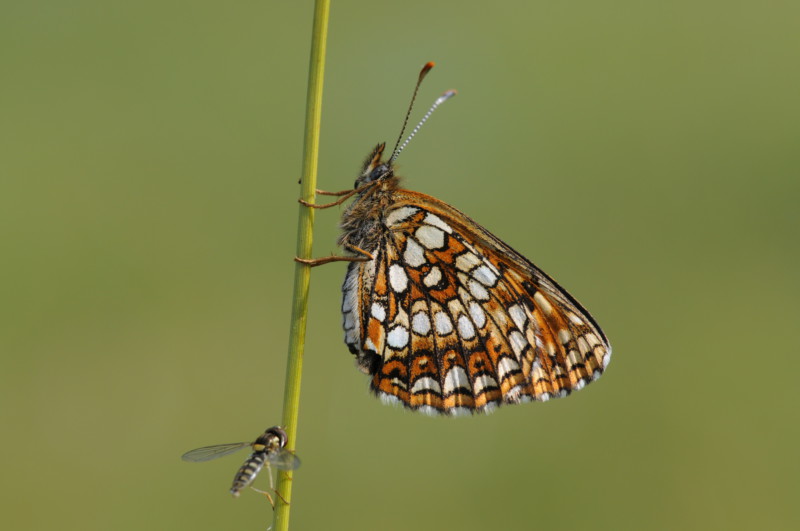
(456, 378)
(426, 384)
(543, 303)
(436, 221)
(420, 323)
(378, 311)
(478, 291)
(459, 411)
(551, 348)
(369, 345)
(398, 278)
(465, 328)
(506, 366)
(518, 342)
(483, 382)
(564, 336)
(429, 410)
(430, 237)
(443, 324)
(516, 395)
(397, 337)
(519, 316)
(402, 213)
(485, 276)
(575, 319)
(466, 262)
(414, 254)
(433, 277)
(477, 314)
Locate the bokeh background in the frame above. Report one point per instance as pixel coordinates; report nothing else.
(645, 154)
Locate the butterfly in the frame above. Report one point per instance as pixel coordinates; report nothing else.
(443, 315)
(269, 449)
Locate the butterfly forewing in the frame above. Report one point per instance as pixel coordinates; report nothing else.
(448, 318)
(207, 453)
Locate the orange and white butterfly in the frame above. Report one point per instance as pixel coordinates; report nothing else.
(445, 316)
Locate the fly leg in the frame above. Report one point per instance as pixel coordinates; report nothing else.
(273, 489)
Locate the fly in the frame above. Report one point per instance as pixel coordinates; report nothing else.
(268, 450)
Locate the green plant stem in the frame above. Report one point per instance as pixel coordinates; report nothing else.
(302, 273)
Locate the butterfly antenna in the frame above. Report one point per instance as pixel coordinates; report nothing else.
(441, 99)
(422, 73)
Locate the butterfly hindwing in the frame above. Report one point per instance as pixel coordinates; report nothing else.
(447, 318)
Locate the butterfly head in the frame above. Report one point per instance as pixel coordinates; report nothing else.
(374, 168)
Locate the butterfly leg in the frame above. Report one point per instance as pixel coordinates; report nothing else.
(344, 194)
(323, 192)
(344, 197)
(313, 262)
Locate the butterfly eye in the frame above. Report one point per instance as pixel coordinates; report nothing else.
(381, 171)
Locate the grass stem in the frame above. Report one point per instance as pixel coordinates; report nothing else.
(302, 273)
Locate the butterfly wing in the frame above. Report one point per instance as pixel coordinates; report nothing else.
(448, 318)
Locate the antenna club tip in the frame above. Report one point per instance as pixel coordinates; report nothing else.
(425, 70)
(446, 96)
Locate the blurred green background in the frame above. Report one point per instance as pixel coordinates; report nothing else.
(645, 154)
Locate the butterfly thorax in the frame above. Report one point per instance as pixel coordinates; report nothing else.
(363, 222)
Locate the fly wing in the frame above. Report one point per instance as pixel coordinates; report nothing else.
(284, 460)
(207, 453)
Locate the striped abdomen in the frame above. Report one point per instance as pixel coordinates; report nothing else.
(248, 472)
